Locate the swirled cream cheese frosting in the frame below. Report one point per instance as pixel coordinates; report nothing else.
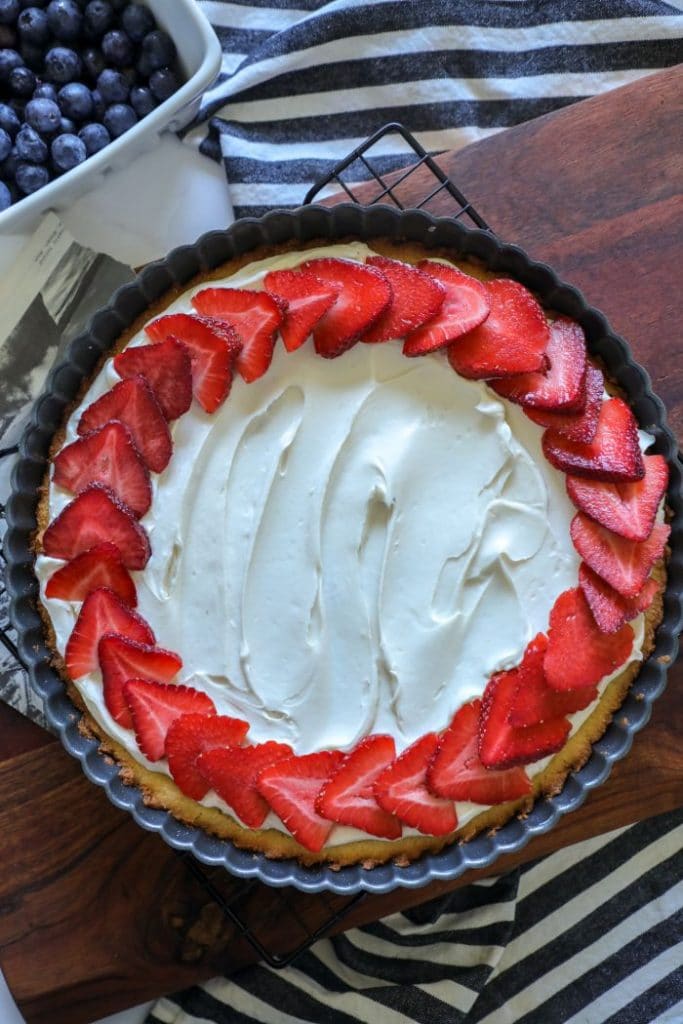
(343, 549)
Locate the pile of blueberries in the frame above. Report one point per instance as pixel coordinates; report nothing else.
(74, 75)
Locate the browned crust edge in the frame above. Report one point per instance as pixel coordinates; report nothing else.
(160, 791)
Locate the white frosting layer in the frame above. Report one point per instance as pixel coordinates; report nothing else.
(345, 547)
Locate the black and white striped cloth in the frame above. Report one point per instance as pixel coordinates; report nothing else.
(594, 933)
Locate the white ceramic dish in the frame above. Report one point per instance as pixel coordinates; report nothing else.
(199, 54)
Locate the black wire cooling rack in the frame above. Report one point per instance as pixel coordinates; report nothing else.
(309, 916)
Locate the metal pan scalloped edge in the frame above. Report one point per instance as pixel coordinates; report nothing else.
(179, 267)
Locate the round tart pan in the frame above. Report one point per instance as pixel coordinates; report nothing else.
(180, 267)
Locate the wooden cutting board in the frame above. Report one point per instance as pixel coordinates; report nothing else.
(95, 914)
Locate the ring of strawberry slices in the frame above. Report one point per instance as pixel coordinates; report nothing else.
(493, 330)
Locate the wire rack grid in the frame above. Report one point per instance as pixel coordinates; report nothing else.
(321, 914)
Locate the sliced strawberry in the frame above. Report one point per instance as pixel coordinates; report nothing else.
(233, 772)
(614, 453)
(154, 707)
(132, 402)
(535, 701)
(465, 305)
(364, 294)
(255, 316)
(578, 654)
(122, 659)
(101, 612)
(416, 298)
(167, 368)
(611, 610)
(401, 789)
(100, 566)
(624, 564)
(291, 788)
(575, 426)
(626, 509)
(456, 771)
(192, 735)
(94, 516)
(347, 797)
(306, 299)
(106, 456)
(213, 346)
(513, 338)
(561, 384)
(501, 745)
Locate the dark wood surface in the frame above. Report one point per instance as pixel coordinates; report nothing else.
(95, 914)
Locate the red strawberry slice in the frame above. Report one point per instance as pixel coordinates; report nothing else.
(291, 787)
(255, 316)
(466, 304)
(613, 455)
(501, 745)
(610, 609)
(213, 346)
(101, 612)
(401, 789)
(192, 735)
(167, 368)
(233, 774)
(624, 564)
(457, 772)
(416, 298)
(347, 797)
(575, 426)
(132, 402)
(154, 708)
(94, 516)
(305, 299)
(106, 456)
(100, 566)
(578, 654)
(513, 338)
(562, 383)
(626, 509)
(122, 659)
(535, 701)
(364, 294)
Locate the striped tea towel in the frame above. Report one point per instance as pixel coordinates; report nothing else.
(592, 934)
(304, 82)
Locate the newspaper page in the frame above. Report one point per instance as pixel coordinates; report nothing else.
(46, 299)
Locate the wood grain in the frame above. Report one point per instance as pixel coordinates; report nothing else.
(95, 914)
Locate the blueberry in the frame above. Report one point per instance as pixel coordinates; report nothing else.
(8, 37)
(9, 9)
(68, 151)
(30, 146)
(67, 126)
(94, 137)
(93, 61)
(5, 196)
(9, 166)
(30, 178)
(65, 20)
(9, 120)
(33, 26)
(117, 48)
(119, 118)
(113, 86)
(137, 21)
(142, 101)
(5, 144)
(9, 60)
(75, 101)
(22, 82)
(98, 105)
(62, 65)
(45, 91)
(44, 115)
(157, 50)
(163, 83)
(98, 18)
